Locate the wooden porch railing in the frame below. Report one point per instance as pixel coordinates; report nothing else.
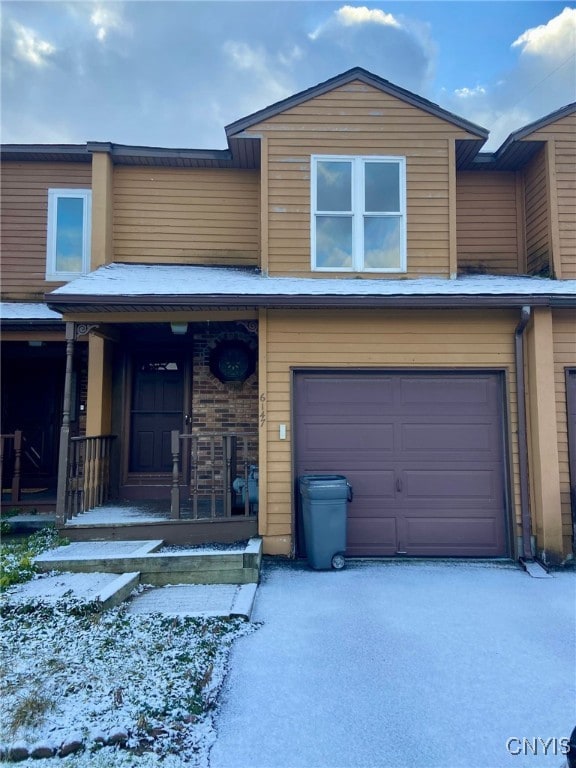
(87, 474)
(218, 470)
(11, 453)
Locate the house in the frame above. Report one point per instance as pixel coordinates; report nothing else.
(351, 287)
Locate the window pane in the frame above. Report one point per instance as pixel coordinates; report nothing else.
(382, 242)
(69, 236)
(334, 186)
(382, 187)
(334, 241)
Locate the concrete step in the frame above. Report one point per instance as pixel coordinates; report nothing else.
(109, 589)
(187, 566)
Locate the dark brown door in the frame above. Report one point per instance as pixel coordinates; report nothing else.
(157, 409)
(424, 453)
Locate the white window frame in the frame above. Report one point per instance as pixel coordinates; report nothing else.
(53, 196)
(358, 212)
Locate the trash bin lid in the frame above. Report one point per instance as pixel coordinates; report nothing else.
(324, 486)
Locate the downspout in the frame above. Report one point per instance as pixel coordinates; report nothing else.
(522, 435)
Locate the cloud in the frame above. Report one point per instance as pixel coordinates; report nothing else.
(542, 80)
(29, 47)
(398, 48)
(349, 15)
(470, 93)
(105, 18)
(554, 40)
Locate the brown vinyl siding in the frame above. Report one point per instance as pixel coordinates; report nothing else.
(563, 135)
(24, 217)
(384, 339)
(357, 119)
(537, 220)
(564, 357)
(487, 222)
(196, 216)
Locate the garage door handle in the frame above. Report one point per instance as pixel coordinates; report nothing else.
(398, 484)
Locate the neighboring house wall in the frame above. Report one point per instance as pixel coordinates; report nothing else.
(24, 209)
(379, 339)
(356, 119)
(561, 136)
(192, 216)
(489, 223)
(538, 236)
(564, 325)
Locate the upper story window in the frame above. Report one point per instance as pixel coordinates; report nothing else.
(358, 213)
(68, 251)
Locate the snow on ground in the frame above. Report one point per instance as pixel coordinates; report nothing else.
(404, 664)
(53, 587)
(73, 675)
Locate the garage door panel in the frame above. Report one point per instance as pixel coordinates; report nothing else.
(449, 485)
(366, 535)
(447, 437)
(368, 485)
(437, 391)
(465, 536)
(320, 437)
(327, 391)
(423, 451)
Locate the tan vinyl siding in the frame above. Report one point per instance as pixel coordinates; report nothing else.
(487, 222)
(564, 357)
(24, 216)
(357, 119)
(370, 339)
(566, 190)
(537, 219)
(563, 134)
(196, 216)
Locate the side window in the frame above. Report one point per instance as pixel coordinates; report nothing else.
(68, 245)
(358, 214)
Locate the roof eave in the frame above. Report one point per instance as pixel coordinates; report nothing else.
(70, 304)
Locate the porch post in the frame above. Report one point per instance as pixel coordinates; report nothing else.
(63, 454)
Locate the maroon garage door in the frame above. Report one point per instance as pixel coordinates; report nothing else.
(424, 453)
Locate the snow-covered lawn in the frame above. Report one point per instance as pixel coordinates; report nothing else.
(112, 688)
(127, 688)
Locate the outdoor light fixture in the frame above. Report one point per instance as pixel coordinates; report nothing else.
(179, 329)
(34, 343)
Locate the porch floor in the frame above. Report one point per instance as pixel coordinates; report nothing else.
(151, 511)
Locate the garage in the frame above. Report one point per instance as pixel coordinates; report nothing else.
(424, 452)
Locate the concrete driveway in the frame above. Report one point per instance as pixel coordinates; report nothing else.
(410, 663)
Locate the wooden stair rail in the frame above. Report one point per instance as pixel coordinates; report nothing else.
(87, 474)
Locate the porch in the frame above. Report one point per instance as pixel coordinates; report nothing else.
(213, 493)
(180, 459)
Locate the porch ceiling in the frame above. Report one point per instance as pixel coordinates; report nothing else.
(168, 288)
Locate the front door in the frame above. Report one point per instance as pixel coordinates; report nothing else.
(157, 408)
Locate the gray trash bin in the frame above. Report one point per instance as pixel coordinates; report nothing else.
(324, 515)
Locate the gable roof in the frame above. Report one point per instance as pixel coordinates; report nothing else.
(356, 73)
(518, 149)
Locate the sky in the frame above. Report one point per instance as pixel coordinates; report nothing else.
(169, 73)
